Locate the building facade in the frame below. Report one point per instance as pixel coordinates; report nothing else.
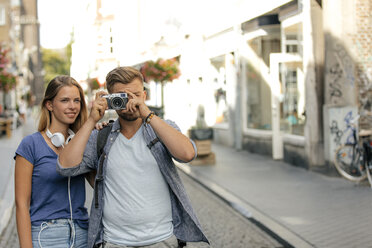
(281, 78)
(19, 32)
(287, 82)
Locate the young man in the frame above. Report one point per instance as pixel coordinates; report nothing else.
(139, 198)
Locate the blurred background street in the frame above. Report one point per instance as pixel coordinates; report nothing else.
(267, 90)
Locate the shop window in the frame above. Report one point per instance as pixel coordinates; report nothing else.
(292, 41)
(257, 89)
(2, 16)
(269, 45)
(219, 66)
(258, 99)
(291, 44)
(292, 106)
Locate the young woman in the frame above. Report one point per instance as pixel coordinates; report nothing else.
(49, 207)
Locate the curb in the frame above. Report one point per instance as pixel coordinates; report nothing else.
(7, 203)
(7, 200)
(280, 233)
(9, 236)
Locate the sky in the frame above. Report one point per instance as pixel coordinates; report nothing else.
(56, 21)
(58, 16)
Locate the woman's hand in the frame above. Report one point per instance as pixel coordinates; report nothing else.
(98, 107)
(101, 125)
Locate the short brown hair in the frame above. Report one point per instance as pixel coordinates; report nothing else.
(123, 75)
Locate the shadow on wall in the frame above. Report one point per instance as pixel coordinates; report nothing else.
(349, 82)
(348, 91)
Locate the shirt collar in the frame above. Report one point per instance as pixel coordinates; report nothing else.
(115, 126)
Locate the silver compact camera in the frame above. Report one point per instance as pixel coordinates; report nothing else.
(116, 101)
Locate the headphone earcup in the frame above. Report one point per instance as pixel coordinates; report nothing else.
(71, 135)
(57, 139)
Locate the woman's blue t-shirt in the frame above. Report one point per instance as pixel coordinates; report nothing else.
(49, 193)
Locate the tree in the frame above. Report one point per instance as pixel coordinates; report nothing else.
(55, 63)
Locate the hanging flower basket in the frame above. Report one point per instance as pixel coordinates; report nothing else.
(7, 80)
(93, 83)
(161, 70)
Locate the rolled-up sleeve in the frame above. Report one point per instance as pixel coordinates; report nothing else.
(88, 162)
(175, 126)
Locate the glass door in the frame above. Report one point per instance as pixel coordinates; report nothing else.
(287, 98)
(292, 98)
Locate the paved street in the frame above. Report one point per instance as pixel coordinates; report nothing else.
(223, 226)
(9, 237)
(7, 150)
(305, 208)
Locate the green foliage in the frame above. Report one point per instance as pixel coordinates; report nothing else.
(56, 62)
(69, 49)
(7, 80)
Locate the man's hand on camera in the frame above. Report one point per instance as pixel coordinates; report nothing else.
(137, 103)
(99, 106)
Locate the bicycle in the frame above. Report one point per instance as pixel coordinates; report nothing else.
(353, 160)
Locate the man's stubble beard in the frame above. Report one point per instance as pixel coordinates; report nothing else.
(127, 117)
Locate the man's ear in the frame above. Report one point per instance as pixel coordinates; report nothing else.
(49, 105)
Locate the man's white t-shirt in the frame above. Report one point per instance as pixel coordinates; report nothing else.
(137, 207)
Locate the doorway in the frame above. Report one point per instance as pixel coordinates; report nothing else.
(287, 98)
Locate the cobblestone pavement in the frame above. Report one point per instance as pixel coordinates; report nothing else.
(9, 237)
(223, 226)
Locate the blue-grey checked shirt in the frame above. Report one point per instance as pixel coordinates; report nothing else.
(185, 222)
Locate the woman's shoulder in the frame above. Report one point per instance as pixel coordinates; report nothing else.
(31, 139)
(29, 145)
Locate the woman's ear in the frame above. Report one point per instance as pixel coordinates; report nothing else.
(49, 105)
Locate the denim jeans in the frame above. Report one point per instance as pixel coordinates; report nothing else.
(60, 233)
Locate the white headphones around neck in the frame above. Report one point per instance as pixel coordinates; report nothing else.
(58, 139)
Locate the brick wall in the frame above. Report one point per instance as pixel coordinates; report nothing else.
(362, 44)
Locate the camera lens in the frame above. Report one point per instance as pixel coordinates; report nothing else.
(117, 102)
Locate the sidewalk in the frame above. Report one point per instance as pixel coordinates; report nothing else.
(8, 147)
(304, 208)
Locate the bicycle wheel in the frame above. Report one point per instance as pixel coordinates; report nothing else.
(369, 174)
(368, 157)
(349, 163)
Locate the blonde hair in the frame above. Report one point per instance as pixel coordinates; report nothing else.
(54, 86)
